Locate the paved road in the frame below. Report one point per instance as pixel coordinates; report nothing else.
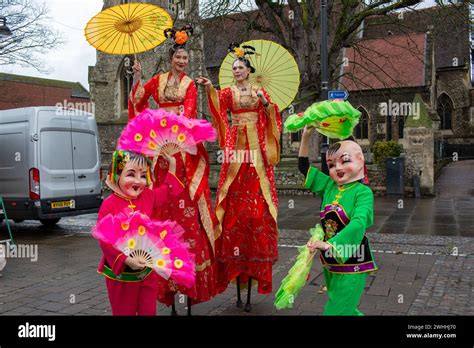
(418, 275)
(456, 180)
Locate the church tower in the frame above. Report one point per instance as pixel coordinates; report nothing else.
(110, 79)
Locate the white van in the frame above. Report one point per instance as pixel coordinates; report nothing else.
(49, 163)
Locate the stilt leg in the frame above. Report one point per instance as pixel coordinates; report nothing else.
(239, 300)
(173, 310)
(248, 306)
(189, 306)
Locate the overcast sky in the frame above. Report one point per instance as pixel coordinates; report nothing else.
(71, 62)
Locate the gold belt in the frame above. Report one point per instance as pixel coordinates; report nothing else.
(173, 109)
(244, 118)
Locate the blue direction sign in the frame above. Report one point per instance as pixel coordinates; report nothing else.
(338, 95)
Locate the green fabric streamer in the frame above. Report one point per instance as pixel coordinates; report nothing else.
(334, 119)
(298, 274)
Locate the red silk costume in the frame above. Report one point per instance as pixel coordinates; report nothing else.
(133, 297)
(192, 209)
(247, 203)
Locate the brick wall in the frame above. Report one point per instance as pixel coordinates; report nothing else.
(17, 95)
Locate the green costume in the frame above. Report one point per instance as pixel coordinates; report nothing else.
(347, 212)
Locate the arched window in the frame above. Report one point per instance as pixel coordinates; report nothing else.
(445, 111)
(361, 131)
(125, 79)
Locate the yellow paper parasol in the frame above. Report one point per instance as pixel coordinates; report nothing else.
(128, 29)
(275, 70)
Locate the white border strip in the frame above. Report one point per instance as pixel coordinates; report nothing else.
(381, 251)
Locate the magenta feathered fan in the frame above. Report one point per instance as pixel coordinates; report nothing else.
(158, 243)
(156, 131)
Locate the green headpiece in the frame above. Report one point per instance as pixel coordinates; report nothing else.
(334, 119)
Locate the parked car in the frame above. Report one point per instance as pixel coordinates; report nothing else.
(49, 163)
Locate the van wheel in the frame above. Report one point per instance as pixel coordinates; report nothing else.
(18, 220)
(50, 222)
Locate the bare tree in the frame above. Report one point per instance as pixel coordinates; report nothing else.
(32, 36)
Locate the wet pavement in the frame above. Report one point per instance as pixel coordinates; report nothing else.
(424, 249)
(450, 213)
(425, 216)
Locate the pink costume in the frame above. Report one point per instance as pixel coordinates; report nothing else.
(133, 292)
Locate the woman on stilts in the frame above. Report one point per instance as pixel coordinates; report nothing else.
(247, 203)
(176, 92)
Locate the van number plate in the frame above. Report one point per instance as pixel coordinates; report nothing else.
(65, 204)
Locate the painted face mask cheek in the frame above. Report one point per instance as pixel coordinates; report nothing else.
(358, 166)
(333, 175)
(125, 184)
(333, 172)
(142, 183)
(336, 179)
(348, 170)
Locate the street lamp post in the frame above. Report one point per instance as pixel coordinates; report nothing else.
(4, 29)
(324, 74)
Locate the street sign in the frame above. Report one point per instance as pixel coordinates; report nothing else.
(338, 95)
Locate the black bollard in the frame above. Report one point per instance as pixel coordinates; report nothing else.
(416, 185)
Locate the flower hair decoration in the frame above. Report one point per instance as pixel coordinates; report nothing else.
(180, 37)
(240, 53)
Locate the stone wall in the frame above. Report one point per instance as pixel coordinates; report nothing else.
(420, 157)
(371, 101)
(287, 176)
(378, 178)
(456, 85)
(109, 132)
(289, 181)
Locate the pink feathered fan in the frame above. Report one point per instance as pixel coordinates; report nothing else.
(158, 243)
(156, 131)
